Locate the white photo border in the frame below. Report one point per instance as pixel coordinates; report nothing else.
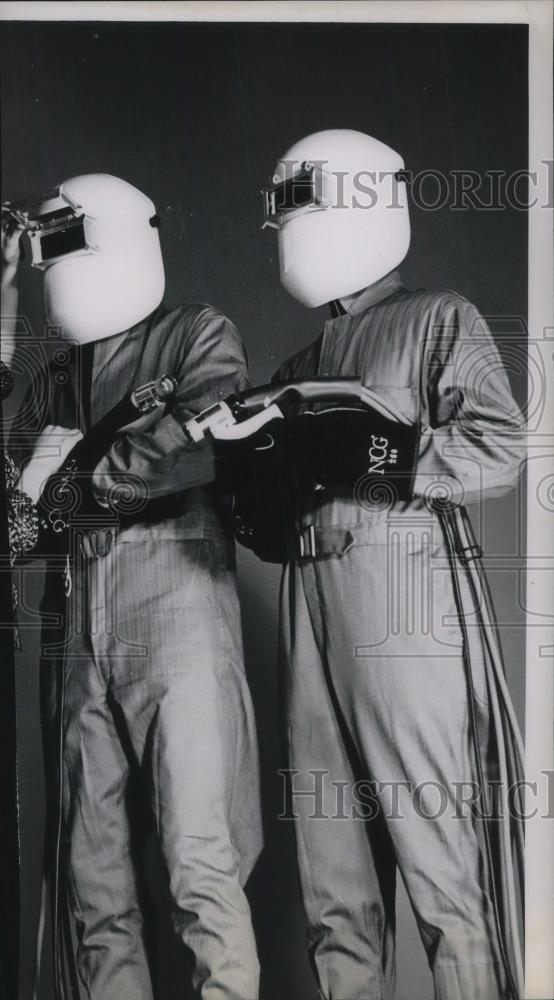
(538, 14)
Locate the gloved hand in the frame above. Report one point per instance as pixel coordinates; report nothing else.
(11, 232)
(352, 449)
(49, 453)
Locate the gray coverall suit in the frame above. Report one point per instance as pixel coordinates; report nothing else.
(155, 691)
(376, 700)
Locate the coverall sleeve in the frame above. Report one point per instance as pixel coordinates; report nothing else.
(161, 459)
(473, 435)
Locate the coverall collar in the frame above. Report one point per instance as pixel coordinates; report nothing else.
(370, 296)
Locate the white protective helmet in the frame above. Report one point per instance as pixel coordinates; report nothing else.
(96, 238)
(339, 202)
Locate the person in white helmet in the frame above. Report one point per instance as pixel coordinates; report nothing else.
(377, 710)
(146, 705)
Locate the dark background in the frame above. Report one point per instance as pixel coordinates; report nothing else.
(196, 116)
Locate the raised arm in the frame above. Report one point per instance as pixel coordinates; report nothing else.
(11, 234)
(160, 458)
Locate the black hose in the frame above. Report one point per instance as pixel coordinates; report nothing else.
(456, 543)
(302, 390)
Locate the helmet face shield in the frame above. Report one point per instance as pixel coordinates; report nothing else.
(307, 189)
(52, 246)
(96, 239)
(338, 201)
(56, 226)
(57, 234)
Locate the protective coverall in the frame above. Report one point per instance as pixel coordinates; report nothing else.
(146, 667)
(376, 699)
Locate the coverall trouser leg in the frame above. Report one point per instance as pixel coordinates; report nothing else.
(155, 692)
(376, 695)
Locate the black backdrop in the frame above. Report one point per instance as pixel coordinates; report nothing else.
(196, 115)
